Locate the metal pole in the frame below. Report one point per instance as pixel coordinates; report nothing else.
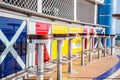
(104, 46)
(75, 10)
(111, 46)
(40, 66)
(82, 52)
(59, 60)
(69, 56)
(51, 50)
(90, 52)
(99, 55)
(27, 55)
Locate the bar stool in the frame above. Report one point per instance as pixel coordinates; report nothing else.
(91, 48)
(112, 36)
(59, 38)
(71, 36)
(83, 35)
(107, 47)
(39, 70)
(99, 48)
(104, 44)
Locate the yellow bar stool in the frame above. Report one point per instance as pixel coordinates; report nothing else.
(39, 41)
(71, 36)
(60, 38)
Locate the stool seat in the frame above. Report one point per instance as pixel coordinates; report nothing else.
(83, 34)
(112, 35)
(106, 34)
(73, 34)
(45, 36)
(60, 35)
(91, 34)
(100, 34)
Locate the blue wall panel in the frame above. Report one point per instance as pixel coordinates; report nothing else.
(9, 27)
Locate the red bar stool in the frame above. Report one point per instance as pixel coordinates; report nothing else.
(92, 35)
(39, 40)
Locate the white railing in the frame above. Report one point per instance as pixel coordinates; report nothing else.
(77, 10)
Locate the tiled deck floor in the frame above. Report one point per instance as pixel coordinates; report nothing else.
(92, 70)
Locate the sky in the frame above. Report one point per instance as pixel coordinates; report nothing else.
(117, 22)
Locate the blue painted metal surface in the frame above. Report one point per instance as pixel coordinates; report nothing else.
(105, 16)
(109, 72)
(9, 27)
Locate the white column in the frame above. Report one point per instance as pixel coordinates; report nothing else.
(95, 14)
(75, 10)
(39, 6)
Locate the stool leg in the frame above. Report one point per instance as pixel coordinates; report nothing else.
(111, 46)
(40, 61)
(27, 56)
(104, 46)
(59, 60)
(69, 56)
(99, 55)
(82, 52)
(90, 54)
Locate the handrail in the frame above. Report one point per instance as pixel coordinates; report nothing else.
(33, 13)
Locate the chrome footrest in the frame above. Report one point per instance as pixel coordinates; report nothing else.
(97, 49)
(33, 70)
(64, 61)
(86, 53)
(77, 55)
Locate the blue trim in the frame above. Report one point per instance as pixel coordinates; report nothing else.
(109, 72)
